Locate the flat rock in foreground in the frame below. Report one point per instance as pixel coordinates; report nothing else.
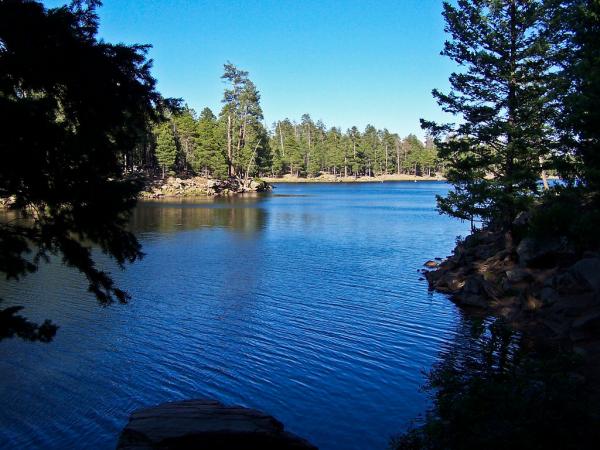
(206, 424)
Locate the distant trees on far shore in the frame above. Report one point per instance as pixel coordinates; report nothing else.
(236, 142)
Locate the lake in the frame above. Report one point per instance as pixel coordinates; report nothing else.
(305, 303)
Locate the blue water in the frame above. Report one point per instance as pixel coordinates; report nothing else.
(305, 303)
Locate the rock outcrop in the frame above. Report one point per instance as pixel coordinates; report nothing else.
(541, 285)
(182, 187)
(206, 424)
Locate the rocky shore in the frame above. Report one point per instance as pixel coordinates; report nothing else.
(545, 288)
(195, 186)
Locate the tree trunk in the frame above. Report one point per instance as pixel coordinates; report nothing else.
(512, 106)
(250, 163)
(229, 149)
(544, 176)
(386, 159)
(281, 140)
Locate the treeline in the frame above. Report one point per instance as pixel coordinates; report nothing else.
(237, 143)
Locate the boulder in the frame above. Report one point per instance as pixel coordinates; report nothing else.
(531, 303)
(472, 300)
(587, 272)
(588, 321)
(534, 253)
(548, 296)
(473, 285)
(485, 251)
(206, 424)
(569, 283)
(522, 219)
(431, 264)
(517, 275)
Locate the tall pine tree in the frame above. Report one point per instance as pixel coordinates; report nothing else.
(500, 98)
(166, 146)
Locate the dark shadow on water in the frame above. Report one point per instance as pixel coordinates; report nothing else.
(494, 388)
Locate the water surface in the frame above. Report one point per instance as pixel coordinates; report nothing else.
(305, 303)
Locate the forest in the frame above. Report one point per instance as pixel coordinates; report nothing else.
(238, 143)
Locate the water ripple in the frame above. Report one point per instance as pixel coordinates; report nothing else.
(305, 304)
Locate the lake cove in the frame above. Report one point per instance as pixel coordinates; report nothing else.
(305, 303)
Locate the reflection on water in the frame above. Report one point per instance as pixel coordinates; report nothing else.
(494, 388)
(305, 303)
(242, 214)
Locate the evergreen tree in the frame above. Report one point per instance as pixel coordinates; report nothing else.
(166, 146)
(246, 137)
(295, 156)
(501, 98)
(186, 135)
(354, 137)
(333, 144)
(370, 146)
(577, 25)
(209, 156)
(73, 107)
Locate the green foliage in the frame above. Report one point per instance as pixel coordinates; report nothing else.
(238, 144)
(577, 31)
(209, 155)
(246, 139)
(570, 213)
(310, 148)
(186, 133)
(502, 98)
(166, 145)
(72, 107)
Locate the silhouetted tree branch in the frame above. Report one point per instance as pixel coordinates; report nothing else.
(70, 106)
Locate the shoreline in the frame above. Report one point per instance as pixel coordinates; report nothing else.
(339, 179)
(546, 291)
(175, 187)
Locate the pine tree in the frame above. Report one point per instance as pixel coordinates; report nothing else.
(370, 145)
(209, 156)
(501, 98)
(578, 23)
(356, 162)
(73, 108)
(166, 146)
(295, 156)
(242, 115)
(186, 135)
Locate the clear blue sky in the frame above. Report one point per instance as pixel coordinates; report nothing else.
(347, 62)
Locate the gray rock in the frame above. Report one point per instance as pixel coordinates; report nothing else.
(568, 283)
(491, 289)
(522, 219)
(473, 286)
(534, 253)
(206, 424)
(485, 251)
(517, 275)
(472, 300)
(589, 321)
(548, 296)
(587, 271)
